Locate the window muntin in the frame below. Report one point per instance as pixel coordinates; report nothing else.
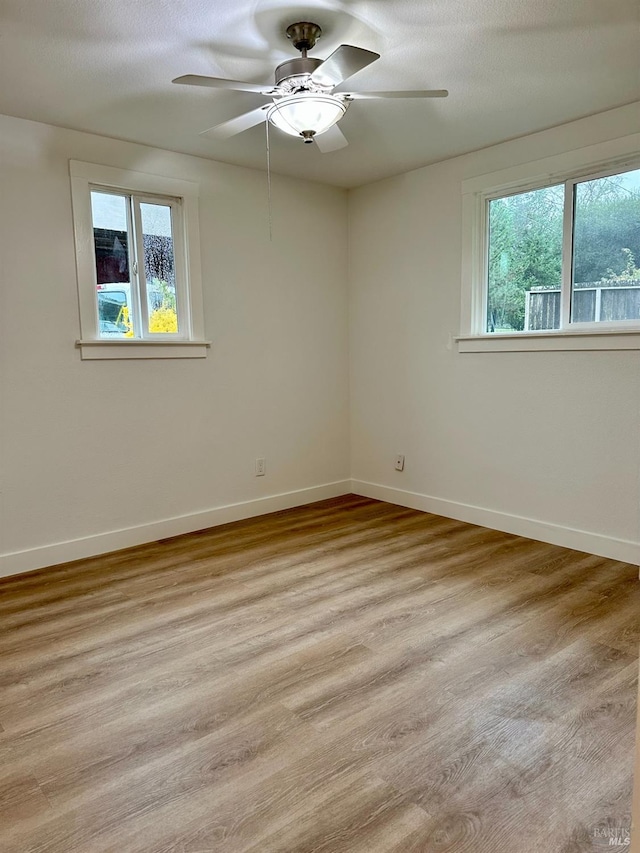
(564, 256)
(138, 293)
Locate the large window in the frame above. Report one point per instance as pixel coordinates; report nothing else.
(551, 253)
(138, 270)
(564, 256)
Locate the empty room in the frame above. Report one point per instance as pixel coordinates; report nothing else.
(319, 426)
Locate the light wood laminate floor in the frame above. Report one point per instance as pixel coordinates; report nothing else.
(344, 677)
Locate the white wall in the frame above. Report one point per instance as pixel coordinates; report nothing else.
(543, 444)
(102, 454)
(92, 447)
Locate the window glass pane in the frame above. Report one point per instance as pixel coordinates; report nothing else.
(525, 261)
(111, 241)
(606, 249)
(159, 267)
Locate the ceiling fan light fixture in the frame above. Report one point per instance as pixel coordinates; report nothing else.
(305, 103)
(307, 114)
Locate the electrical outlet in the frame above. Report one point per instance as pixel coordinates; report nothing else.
(261, 466)
(399, 462)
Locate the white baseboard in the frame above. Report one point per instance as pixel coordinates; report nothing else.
(102, 543)
(580, 540)
(77, 549)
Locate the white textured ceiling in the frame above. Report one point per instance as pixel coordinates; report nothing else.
(511, 66)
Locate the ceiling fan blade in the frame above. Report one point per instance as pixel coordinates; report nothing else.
(222, 83)
(342, 63)
(331, 140)
(427, 93)
(238, 124)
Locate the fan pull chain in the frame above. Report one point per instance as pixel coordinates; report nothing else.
(269, 183)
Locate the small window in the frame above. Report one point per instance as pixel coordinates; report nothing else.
(138, 270)
(564, 255)
(136, 286)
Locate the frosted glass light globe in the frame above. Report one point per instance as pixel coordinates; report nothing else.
(306, 113)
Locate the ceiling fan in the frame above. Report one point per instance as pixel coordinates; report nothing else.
(303, 101)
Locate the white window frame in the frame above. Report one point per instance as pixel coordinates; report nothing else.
(182, 196)
(573, 167)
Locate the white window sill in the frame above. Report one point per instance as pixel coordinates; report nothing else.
(120, 349)
(551, 341)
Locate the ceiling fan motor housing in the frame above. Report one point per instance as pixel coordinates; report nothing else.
(296, 68)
